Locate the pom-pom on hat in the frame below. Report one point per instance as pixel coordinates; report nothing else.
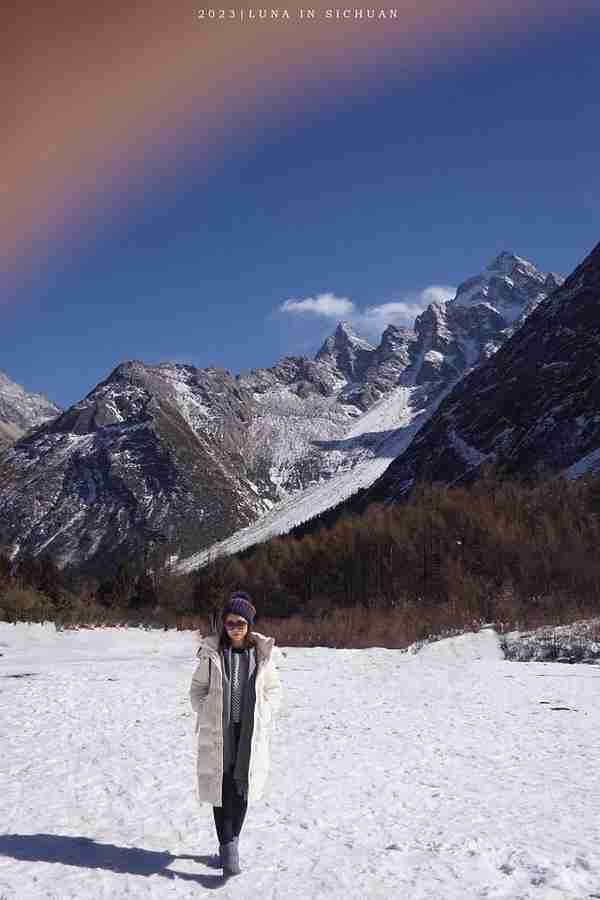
(240, 603)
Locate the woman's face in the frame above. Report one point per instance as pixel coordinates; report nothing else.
(236, 628)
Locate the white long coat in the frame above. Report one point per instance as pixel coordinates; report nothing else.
(206, 694)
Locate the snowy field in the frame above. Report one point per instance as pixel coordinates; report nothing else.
(449, 774)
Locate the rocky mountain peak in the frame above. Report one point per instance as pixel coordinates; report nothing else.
(433, 320)
(553, 281)
(394, 337)
(510, 285)
(171, 452)
(346, 352)
(5, 381)
(545, 416)
(506, 262)
(129, 366)
(346, 328)
(21, 411)
(343, 335)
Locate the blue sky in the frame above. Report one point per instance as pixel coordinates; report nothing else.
(371, 197)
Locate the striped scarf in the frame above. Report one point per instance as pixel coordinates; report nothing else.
(247, 698)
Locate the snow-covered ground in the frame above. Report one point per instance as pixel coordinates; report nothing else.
(448, 774)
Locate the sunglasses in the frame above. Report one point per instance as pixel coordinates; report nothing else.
(235, 624)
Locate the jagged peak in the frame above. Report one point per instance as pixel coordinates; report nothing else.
(175, 364)
(130, 367)
(506, 261)
(509, 284)
(7, 385)
(434, 312)
(345, 327)
(392, 330)
(10, 388)
(554, 278)
(343, 336)
(347, 331)
(127, 367)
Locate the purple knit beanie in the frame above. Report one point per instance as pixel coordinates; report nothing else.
(240, 603)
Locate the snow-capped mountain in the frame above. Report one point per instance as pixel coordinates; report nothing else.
(152, 456)
(173, 455)
(345, 353)
(510, 285)
(21, 411)
(405, 378)
(533, 406)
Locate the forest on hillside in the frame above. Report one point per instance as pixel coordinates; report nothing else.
(447, 558)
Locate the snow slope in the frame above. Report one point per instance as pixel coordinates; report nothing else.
(365, 453)
(446, 775)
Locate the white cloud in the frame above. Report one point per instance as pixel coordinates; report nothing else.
(370, 321)
(327, 305)
(373, 320)
(437, 293)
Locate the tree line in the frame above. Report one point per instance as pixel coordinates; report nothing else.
(515, 553)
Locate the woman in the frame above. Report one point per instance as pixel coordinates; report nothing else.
(235, 691)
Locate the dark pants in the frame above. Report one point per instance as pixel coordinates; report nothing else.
(229, 817)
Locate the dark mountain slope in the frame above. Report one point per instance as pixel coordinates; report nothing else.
(533, 406)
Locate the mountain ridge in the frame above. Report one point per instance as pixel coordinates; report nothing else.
(180, 457)
(537, 399)
(21, 410)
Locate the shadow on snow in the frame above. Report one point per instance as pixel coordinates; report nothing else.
(89, 854)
